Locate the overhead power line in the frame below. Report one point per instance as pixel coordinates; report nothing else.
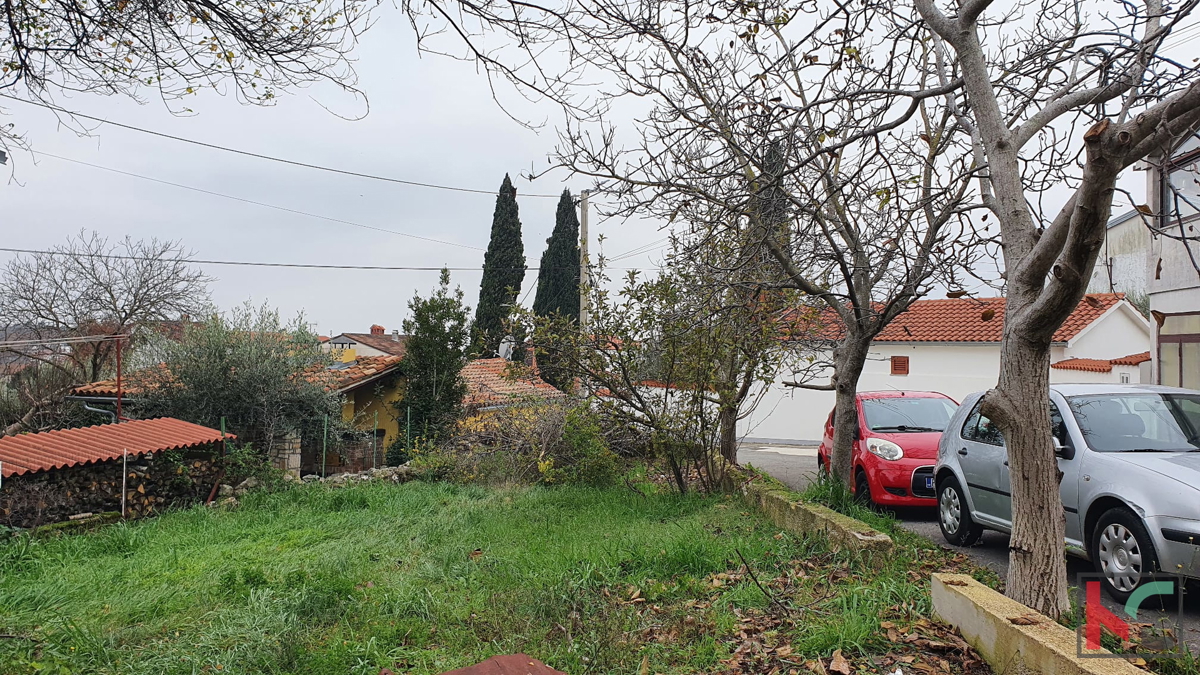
(241, 263)
(269, 158)
(258, 203)
(62, 340)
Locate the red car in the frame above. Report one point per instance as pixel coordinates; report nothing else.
(895, 445)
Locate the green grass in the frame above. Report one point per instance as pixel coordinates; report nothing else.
(321, 580)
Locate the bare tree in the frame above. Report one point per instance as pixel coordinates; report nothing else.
(63, 310)
(823, 139)
(1043, 102)
(1021, 102)
(174, 48)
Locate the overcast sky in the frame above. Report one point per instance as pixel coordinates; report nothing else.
(431, 119)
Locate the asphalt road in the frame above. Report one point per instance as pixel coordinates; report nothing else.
(796, 466)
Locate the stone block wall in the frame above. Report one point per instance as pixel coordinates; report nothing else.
(285, 454)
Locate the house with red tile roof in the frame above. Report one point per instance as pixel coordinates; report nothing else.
(369, 385)
(378, 342)
(952, 346)
(499, 383)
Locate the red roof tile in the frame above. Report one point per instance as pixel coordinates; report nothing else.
(962, 320)
(71, 447)
(1101, 365)
(341, 377)
(337, 377)
(490, 382)
(1088, 365)
(1132, 359)
(395, 345)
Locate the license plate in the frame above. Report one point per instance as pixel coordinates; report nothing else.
(929, 482)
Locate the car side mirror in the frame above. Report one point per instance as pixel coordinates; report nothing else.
(1061, 450)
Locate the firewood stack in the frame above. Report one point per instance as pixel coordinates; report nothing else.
(153, 482)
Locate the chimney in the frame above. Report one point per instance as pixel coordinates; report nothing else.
(395, 335)
(377, 330)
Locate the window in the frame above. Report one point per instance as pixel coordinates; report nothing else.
(1124, 378)
(1139, 422)
(1179, 351)
(907, 413)
(979, 428)
(899, 365)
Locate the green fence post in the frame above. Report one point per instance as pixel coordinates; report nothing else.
(324, 445)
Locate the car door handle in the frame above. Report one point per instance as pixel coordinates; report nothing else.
(962, 451)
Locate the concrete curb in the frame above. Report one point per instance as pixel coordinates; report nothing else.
(1038, 644)
(797, 517)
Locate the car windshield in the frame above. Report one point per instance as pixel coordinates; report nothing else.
(907, 414)
(1139, 422)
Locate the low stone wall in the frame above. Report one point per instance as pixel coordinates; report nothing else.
(781, 506)
(153, 483)
(1011, 637)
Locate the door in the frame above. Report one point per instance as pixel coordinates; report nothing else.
(983, 459)
(1068, 487)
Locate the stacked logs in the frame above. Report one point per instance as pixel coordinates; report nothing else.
(152, 483)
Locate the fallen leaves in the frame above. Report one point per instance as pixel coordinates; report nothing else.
(1025, 620)
(839, 664)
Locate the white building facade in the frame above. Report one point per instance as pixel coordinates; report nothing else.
(945, 346)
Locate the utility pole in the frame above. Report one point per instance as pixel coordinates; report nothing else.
(584, 277)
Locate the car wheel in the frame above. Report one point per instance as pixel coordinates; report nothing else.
(862, 489)
(1122, 552)
(954, 516)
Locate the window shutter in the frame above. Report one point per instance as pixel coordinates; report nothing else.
(899, 365)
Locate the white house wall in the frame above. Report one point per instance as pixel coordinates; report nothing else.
(954, 369)
(1119, 333)
(794, 414)
(1121, 267)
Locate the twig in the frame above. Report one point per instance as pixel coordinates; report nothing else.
(633, 487)
(786, 610)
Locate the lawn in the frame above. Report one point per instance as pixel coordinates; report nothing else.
(426, 577)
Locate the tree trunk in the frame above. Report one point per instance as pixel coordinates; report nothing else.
(849, 360)
(728, 420)
(1020, 406)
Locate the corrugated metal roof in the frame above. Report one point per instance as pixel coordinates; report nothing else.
(48, 450)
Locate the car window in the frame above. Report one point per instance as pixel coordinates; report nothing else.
(908, 413)
(981, 429)
(1139, 422)
(1057, 426)
(968, 430)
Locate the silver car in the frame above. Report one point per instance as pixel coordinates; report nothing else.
(1130, 458)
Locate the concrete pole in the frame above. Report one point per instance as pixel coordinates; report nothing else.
(584, 280)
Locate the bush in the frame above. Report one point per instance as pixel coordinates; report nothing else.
(585, 458)
(553, 443)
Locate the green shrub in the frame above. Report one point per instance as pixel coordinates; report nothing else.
(588, 461)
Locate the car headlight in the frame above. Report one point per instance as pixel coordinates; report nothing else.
(884, 449)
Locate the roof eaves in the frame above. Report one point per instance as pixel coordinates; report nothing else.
(369, 379)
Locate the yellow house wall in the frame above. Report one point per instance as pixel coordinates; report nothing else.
(376, 397)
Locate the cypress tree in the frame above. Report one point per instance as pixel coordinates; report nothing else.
(503, 272)
(558, 275)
